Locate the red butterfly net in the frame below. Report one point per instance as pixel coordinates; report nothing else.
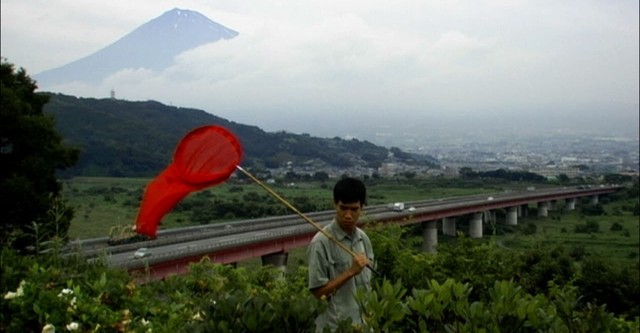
(206, 156)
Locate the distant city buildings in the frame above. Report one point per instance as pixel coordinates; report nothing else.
(548, 156)
(554, 172)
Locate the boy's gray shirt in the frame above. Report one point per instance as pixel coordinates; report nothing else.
(326, 261)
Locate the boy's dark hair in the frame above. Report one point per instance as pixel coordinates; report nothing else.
(350, 190)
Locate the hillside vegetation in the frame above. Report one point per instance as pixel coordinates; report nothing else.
(119, 138)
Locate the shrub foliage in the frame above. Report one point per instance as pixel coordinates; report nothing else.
(466, 287)
(30, 153)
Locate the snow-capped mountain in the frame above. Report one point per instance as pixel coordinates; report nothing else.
(153, 46)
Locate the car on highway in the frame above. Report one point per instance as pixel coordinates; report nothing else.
(141, 253)
(398, 206)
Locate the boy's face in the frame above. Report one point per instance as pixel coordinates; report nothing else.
(347, 215)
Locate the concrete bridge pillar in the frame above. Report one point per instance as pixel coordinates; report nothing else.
(430, 236)
(594, 200)
(552, 204)
(512, 215)
(570, 204)
(543, 208)
(449, 226)
(525, 210)
(475, 226)
(277, 260)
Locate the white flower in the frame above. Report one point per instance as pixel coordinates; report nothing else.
(20, 291)
(144, 322)
(65, 291)
(72, 326)
(48, 328)
(73, 302)
(197, 316)
(10, 295)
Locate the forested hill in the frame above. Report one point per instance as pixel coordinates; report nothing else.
(137, 139)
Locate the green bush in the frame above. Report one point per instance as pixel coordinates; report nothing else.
(468, 286)
(592, 210)
(534, 268)
(600, 282)
(588, 227)
(577, 252)
(616, 226)
(528, 228)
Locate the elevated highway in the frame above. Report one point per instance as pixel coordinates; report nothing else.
(272, 238)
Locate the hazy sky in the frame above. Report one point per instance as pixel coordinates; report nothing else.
(305, 66)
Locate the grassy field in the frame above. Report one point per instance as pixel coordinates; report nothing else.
(620, 245)
(102, 203)
(617, 236)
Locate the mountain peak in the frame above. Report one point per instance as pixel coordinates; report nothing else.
(153, 45)
(180, 12)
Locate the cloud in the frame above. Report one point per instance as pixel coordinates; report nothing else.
(334, 60)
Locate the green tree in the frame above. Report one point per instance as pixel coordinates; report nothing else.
(614, 178)
(321, 176)
(30, 153)
(592, 210)
(563, 178)
(466, 172)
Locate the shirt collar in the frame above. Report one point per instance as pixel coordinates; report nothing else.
(340, 234)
